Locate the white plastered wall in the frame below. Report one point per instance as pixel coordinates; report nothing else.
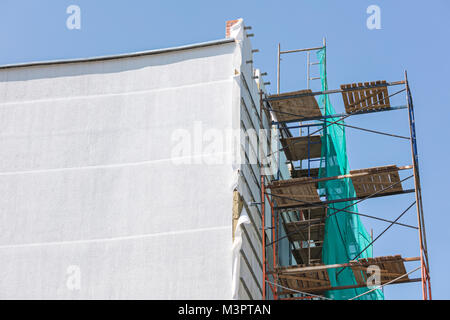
(87, 178)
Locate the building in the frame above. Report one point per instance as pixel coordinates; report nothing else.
(104, 196)
(144, 176)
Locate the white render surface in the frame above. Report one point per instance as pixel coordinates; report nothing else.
(88, 181)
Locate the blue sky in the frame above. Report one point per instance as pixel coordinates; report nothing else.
(413, 37)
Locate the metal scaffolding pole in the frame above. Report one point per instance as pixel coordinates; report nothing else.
(426, 285)
(263, 201)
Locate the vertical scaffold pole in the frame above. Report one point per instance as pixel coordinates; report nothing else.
(263, 220)
(274, 253)
(426, 286)
(325, 131)
(307, 69)
(263, 227)
(278, 68)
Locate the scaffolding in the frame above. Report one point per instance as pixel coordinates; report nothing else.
(308, 197)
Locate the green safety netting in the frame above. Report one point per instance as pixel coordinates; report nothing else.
(345, 235)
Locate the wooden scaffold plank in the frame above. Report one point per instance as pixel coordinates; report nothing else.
(299, 173)
(391, 268)
(290, 109)
(317, 230)
(357, 99)
(302, 148)
(376, 179)
(294, 191)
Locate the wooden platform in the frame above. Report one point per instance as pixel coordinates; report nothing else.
(300, 173)
(301, 255)
(391, 268)
(305, 281)
(378, 178)
(365, 99)
(298, 230)
(315, 213)
(315, 279)
(301, 189)
(291, 109)
(296, 148)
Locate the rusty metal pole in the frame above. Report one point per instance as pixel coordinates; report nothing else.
(274, 253)
(263, 227)
(263, 191)
(278, 68)
(416, 186)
